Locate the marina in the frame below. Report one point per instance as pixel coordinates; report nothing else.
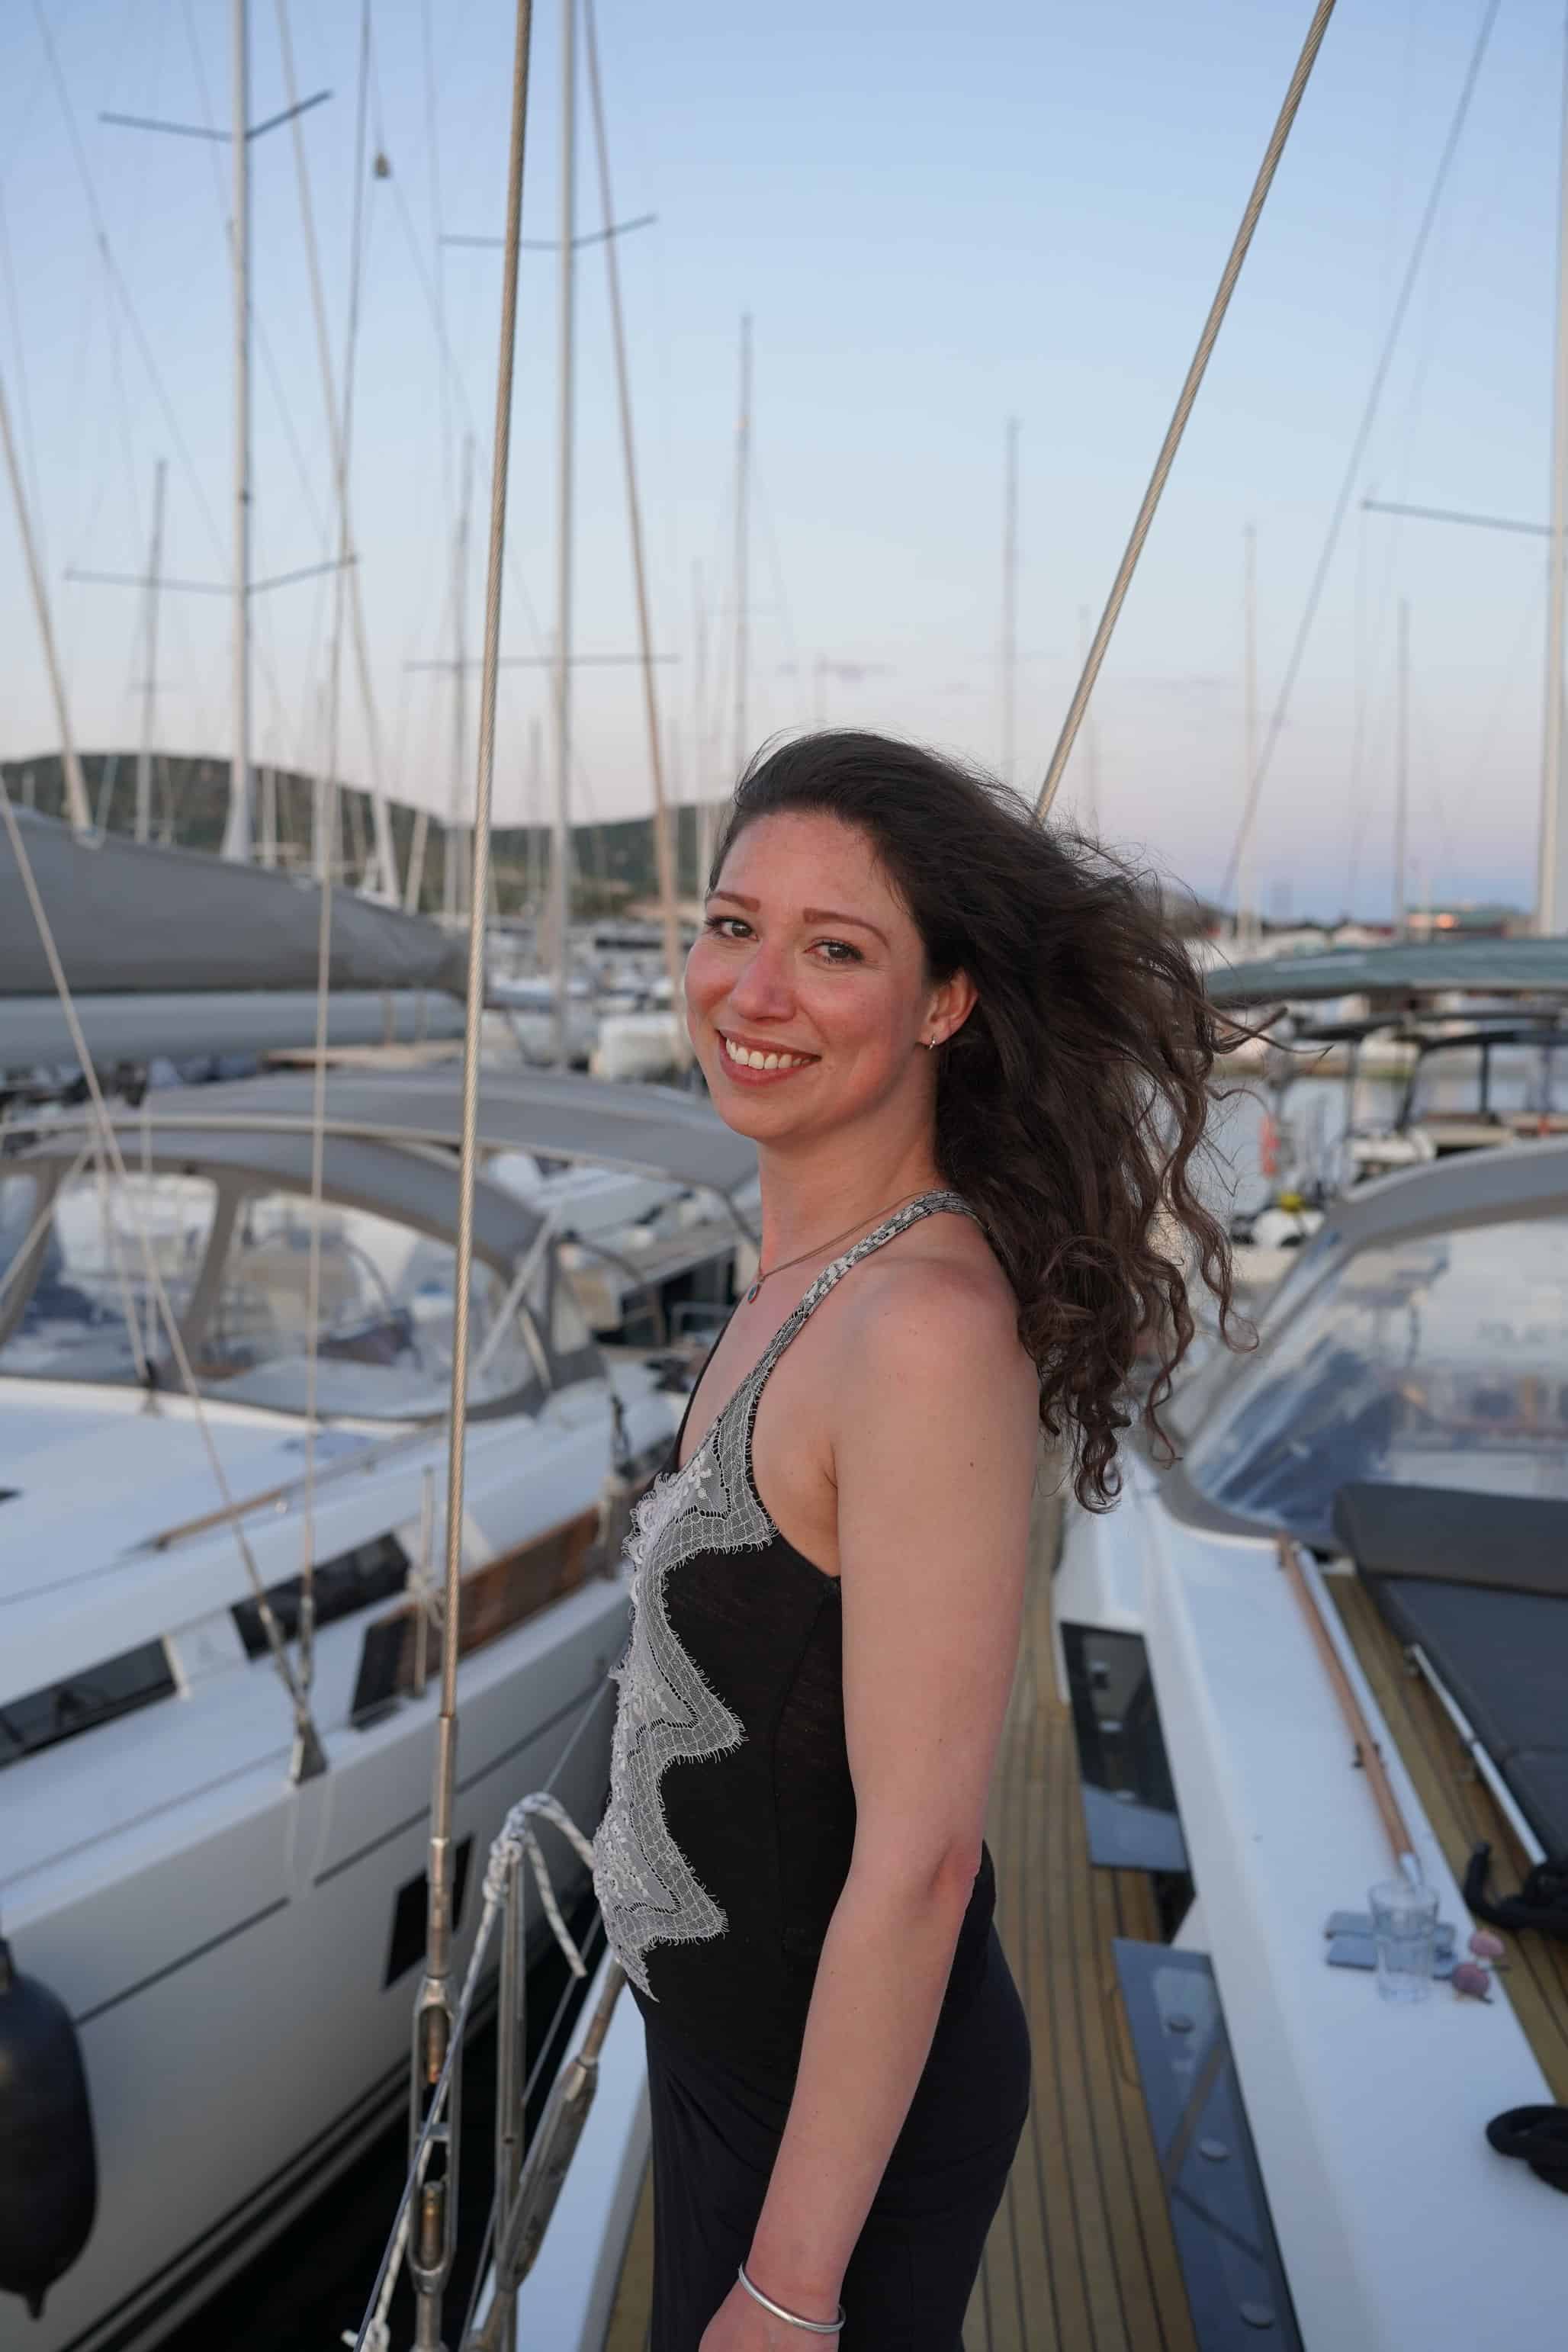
(366, 1225)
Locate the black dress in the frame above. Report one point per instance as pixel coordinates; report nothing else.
(718, 1863)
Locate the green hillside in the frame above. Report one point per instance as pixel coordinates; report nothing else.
(612, 863)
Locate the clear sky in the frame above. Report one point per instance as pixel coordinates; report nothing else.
(936, 219)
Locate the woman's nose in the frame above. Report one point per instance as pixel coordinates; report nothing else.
(762, 988)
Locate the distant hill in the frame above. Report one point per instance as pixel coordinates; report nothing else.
(612, 863)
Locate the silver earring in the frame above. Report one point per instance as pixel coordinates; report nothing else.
(932, 1045)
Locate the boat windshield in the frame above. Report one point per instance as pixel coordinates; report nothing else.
(382, 1315)
(92, 1312)
(1440, 1359)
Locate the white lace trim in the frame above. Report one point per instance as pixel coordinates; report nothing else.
(667, 1711)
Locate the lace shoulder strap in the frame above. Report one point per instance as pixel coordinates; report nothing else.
(925, 1204)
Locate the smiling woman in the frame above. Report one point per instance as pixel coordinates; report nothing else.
(975, 1063)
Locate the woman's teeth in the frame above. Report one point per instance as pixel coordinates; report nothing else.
(756, 1061)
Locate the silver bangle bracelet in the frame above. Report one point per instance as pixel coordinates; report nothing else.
(811, 2326)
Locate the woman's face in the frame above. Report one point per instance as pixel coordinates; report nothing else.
(811, 967)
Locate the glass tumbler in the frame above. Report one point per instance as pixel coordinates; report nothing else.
(1405, 1927)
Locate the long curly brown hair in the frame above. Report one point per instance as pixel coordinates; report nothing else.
(1071, 1103)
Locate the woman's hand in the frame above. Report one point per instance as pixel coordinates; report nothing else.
(741, 2325)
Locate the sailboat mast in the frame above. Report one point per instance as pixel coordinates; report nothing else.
(77, 805)
(150, 678)
(236, 827)
(1010, 604)
(1552, 881)
(455, 876)
(1089, 819)
(560, 877)
(742, 742)
(1247, 881)
(1401, 775)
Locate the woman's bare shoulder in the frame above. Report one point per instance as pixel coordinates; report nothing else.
(935, 1306)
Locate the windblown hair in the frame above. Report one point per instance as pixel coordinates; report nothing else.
(1072, 1103)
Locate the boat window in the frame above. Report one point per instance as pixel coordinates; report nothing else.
(18, 1207)
(1439, 1358)
(114, 1686)
(371, 1571)
(92, 1312)
(383, 1316)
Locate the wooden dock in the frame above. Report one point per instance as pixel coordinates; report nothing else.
(1080, 2258)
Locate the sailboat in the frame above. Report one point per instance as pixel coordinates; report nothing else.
(1215, 1748)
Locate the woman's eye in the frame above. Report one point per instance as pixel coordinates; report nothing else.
(839, 952)
(726, 927)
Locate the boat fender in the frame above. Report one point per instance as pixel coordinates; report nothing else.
(49, 2167)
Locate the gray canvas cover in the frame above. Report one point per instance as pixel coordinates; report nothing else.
(130, 915)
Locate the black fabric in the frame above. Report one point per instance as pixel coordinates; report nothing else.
(1504, 1657)
(1539, 2135)
(716, 2134)
(1510, 1542)
(1541, 1902)
(769, 1828)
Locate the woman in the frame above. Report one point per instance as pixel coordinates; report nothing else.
(974, 1063)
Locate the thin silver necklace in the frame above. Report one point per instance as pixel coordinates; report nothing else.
(765, 1274)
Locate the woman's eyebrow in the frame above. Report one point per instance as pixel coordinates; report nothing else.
(808, 914)
(829, 914)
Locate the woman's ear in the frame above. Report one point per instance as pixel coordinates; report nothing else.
(953, 1001)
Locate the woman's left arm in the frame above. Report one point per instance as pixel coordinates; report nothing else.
(935, 1446)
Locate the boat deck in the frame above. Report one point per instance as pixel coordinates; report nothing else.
(1080, 2257)
(1462, 1810)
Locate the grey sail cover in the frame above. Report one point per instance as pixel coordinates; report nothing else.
(131, 915)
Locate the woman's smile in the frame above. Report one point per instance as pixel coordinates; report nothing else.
(751, 1062)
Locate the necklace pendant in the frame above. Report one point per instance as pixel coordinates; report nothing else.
(753, 1292)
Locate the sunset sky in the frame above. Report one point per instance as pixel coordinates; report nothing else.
(936, 220)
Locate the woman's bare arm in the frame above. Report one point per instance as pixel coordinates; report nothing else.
(935, 1440)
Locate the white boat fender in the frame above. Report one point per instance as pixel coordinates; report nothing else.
(49, 2165)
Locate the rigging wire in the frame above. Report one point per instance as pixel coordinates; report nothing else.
(1358, 446)
(342, 445)
(25, 405)
(1186, 398)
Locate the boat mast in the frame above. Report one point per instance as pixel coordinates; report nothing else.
(236, 826)
(1247, 889)
(560, 876)
(1090, 816)
(1402, 774)
(77, 807)
(664, 852)
(1552, 882)
(1010, 604)
(701, 759)
(455, 863)
(742, 743)
(150, 680)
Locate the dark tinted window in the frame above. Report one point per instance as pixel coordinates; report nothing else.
(82, 1701)
(371, 1571)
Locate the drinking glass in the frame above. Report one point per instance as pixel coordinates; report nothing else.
(1404, 1926)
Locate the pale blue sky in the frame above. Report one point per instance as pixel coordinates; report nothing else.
(934, 223)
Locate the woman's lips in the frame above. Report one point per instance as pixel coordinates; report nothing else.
(757, 1065)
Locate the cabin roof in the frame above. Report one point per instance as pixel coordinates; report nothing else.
(645, 1130)
(1525, 967)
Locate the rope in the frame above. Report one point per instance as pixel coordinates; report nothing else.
(514, 1840)
(1357, 449)
(1189, 393)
